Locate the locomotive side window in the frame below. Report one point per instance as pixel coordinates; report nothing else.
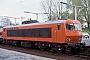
(37, 32)
(58, 26)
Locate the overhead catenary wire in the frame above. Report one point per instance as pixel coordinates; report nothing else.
(17, 4)
(13, 5)
(28, 6)
(19, 10)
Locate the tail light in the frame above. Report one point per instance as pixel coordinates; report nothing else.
(0, 33)
(68, 39)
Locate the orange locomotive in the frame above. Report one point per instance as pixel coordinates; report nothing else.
(59, 35)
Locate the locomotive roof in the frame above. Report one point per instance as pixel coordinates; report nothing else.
(47, 22)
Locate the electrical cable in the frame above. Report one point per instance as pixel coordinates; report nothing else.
(13, 5)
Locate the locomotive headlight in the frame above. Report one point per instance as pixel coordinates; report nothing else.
(68, 39)
(79, 38)
(59, 49)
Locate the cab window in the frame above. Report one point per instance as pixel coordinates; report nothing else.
(73, 27)
(58, 26)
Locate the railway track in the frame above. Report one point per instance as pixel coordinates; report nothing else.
(84, 54)
(58, 56)
(81, 55)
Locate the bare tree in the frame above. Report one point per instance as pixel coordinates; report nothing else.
(53, 8)
(84, 12)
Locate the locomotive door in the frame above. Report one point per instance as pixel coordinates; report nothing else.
(59, 34)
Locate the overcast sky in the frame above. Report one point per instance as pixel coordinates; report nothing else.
(16, 8)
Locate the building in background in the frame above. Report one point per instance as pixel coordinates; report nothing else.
(84, 24)
(5, 22)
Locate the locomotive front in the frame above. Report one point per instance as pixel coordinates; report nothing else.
(73, 35)
(73, 31)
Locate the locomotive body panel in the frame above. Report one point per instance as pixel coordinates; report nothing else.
(54, 32)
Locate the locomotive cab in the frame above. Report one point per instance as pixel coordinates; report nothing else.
(72, 34)
(73, 31)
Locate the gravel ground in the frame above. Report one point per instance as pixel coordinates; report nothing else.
(13, 55)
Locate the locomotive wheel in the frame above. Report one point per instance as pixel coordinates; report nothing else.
(58, 51)
(52, 50)
(68, 50)
(41, 47)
